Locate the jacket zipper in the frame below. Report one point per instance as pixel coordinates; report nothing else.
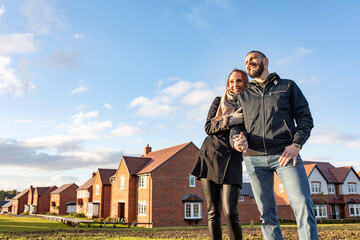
(263, 110)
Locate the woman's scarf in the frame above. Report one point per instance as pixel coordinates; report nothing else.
(226, 108)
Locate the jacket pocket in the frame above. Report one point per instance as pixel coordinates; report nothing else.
(288, 129)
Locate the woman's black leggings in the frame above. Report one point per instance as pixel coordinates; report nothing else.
(228, 200)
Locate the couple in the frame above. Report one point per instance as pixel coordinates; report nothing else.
(256, 119)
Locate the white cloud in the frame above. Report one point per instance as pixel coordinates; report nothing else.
(182, 87)
(108, 106)
(80, 90)
(24, 121)
(311, 80)
(58, 142)
(86, 129)
(300, 52)
(124, 130)
(2, 9)
(10, 84)
(77, 36)
(157, 107)
(17, 43)
(41, 16)
(196, 18)
(199, 96)
(327, 136)
(138, 140)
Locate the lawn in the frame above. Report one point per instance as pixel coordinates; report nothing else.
(36, 228)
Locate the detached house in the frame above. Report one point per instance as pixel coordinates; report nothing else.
(335, 191)
(41, 200)
(157, 188)
(84, 195)
(19, 202)
(6, 206)
(63, 199)
(101, 196)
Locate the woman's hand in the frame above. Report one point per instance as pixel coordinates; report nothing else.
(240, 142)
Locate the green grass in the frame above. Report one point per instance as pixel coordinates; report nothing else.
(28, 224)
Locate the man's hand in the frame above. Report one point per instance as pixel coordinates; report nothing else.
(290, 152)
(240, 142)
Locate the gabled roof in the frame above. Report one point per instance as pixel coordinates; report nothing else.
(341, 173)
(135, 164)
(8, 204)
(161, 156)
(246, 190)
(2, 202)
(324, 168)
(87, 184)
(309, 168)
(19, 195)
(62, 188)
(42, 190)
(105, 174)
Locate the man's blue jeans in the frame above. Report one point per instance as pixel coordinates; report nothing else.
(261, 173)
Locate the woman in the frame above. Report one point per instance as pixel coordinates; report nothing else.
(218, 166)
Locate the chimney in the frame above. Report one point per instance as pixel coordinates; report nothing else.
(147, 149)
(93, 174)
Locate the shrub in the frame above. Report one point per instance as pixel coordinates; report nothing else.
(109, 219)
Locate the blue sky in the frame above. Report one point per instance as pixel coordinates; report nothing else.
(85, 82)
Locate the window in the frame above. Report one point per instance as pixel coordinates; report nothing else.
(142, 209)
(192, 181)
(122, 182)
(352, 187)
(354, 210)
(142, 182)
(331, 188)
(241, 198)
(97, 189)
(320, 211)
(315, 187)
(281, 188)
(192, 210)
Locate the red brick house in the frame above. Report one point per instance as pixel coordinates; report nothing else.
(335, 192)
(62, 196)
(101, 196)
(84, 195)
(157, 188)
(19, 202)
(248, 211)
(41, 200)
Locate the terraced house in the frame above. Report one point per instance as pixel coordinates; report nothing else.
(84, 195)
(19, 202)
(39, 202)
(335, 191)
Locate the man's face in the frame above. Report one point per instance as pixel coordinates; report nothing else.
(254, 63)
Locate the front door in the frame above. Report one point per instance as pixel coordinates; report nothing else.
(121, 211)
(337, 211)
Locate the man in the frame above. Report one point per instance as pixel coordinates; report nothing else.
(271, 143)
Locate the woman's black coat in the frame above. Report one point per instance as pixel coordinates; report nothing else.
(217, 160)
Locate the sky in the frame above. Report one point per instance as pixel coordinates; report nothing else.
(83, 83)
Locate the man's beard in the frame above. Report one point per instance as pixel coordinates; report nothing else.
(257, 72)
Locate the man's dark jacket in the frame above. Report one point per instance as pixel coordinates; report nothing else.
(269, 116)
(217, 161)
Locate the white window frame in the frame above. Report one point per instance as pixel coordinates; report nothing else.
(315, 187)
(241, 198)
(331, 188)
(142, 208)
(354, 210)
(352, 187)
(97, 189)
(122, 182)
(142, 181)
(192, 182)
(320, 211)
(281, 188)
(192, 213)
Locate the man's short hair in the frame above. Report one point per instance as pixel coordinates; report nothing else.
(255, 51)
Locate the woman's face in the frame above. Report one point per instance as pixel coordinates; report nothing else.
(236, 83)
